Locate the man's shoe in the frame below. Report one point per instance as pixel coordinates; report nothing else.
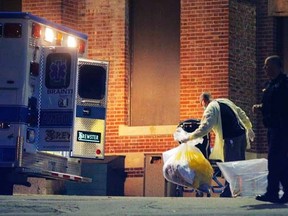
(225, 195)
(284, 199)
(268, 198)
(226, 192)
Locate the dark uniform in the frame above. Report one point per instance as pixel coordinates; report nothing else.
(234, 135)
(275, 118)
(235, 141)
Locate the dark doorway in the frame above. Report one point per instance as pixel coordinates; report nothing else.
(155, 62)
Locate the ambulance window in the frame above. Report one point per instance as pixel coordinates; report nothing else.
(0, 30)
(58, 70)
(92, 82)
(12, 30)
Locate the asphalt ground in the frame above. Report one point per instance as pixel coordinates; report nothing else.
(105, 205)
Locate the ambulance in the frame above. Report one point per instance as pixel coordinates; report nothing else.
(52, 101)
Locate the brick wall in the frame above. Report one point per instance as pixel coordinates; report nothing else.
(46, 9)
(204, 53)
(242, 55)
(59, 11)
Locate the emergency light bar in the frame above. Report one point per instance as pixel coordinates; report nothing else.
(52, 33)
(55, 37)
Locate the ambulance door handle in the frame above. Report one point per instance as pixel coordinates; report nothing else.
(91, 102)
(86, 111)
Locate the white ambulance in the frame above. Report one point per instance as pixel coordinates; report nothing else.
(52, 101)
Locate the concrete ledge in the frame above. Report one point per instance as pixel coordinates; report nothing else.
(125, 130)
(253, 155)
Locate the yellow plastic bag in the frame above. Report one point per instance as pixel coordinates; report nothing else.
(185, 165)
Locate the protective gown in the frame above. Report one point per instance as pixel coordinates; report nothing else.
(211, 120)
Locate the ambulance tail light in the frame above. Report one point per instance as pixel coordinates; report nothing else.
(98, 152)
(34, 68)
(81, 46)
(32, 120)
(49, 35)
(32, 103)
(12, 30)
(4, 125)
(31, 136)
(36, 30)
(71, 41)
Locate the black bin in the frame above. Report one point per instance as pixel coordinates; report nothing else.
(108, 177)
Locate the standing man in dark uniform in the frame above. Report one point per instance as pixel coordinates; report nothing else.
(274, 109)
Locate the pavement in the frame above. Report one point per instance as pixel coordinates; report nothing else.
(109, 205)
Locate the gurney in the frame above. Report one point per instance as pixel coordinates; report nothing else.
(186, 175)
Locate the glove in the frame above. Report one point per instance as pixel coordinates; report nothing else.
(184, 139)
(180, 135)
(251, 134)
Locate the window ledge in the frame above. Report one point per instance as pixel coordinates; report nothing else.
(125, 130)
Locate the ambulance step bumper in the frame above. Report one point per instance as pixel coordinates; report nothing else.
(54, 175)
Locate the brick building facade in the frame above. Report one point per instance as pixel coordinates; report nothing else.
(223, 44)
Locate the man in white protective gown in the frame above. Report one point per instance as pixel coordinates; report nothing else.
(232, 129)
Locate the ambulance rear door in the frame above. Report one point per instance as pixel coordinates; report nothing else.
(56, 91)
(90, 105)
